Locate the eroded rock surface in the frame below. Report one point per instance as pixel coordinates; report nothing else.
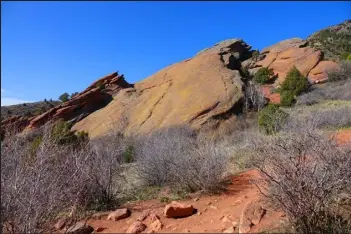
(96, 96)
(192, 91)
(282, 56)
(320, 73)
(208, 86)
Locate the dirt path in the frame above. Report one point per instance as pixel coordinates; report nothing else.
(234, 208)
(240, 207)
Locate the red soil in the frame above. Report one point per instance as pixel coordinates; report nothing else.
(210, 210)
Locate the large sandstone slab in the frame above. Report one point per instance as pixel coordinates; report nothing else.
(191, 91)
(86, 102)
(282, 56)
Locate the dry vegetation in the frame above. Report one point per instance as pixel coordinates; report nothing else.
(52, 172)
(308, 177)
(28, 109)
(338, 89)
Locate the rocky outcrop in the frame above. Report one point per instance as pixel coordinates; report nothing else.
(14, 124)
(192, 91)
(282, 56)
(96, 96)
(208, 87)
(320, 72)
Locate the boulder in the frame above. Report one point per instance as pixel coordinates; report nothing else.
(251, 215)
(178, 210)
(99, 229)
(80, 228)
(136, 227)
(156, 225)
(119, 214)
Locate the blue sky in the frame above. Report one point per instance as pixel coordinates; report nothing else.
(48, 48)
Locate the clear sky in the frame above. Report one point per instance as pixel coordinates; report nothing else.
(48, 48)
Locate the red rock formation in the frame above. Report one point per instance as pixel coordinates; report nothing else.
(15, 123)
(94, 97)
(320, 72)
(267, 91)
(282, 56)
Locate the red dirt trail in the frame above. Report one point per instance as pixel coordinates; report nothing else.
(211, 210)
(214, 213)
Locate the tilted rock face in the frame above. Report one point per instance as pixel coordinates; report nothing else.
(85, 102)
(320, 73)
(15, 123)
(192, 91)
(282, 56)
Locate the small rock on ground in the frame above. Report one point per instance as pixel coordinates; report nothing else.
(177, 210)
(136, 227)
(119, 214)
(80, 228)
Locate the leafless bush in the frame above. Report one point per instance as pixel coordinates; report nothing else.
(308, 176)
(106, 170)
(224, 128)
(343, 74)
(174, 157)
(35, 188)
(335, 117)
(254, 99)
(39, 183)
(329, 91)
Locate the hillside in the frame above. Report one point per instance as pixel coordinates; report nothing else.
(334, 41)
(27, 109)
(206, 88)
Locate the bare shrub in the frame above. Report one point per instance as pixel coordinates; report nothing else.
(336, 117)
(254, 99)
(106, 171)
(308, 177)
(220, 130)
(174, 157)
(40, 183)
(329, 91)
(35, 188)
(343, 74)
